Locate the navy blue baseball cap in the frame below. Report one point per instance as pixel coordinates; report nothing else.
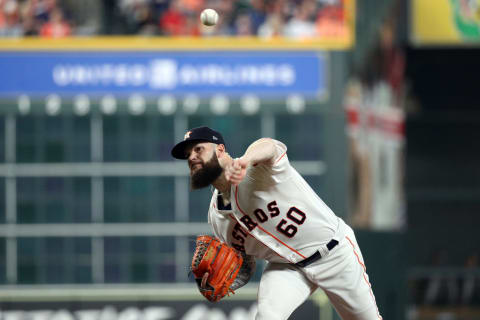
(199, 134)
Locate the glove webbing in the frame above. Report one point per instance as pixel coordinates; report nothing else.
(201, 250)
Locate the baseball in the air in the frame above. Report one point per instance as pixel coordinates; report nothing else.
(209, 17)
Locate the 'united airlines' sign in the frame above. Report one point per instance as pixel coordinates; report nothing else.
(264, 73)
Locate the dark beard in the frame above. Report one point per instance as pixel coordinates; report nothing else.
(206, 175)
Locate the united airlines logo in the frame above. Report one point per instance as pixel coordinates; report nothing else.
(163, 74)
(168, 74)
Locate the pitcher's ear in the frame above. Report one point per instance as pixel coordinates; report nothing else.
(220, 149)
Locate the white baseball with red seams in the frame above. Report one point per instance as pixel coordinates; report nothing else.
(209, 17)
(276, 216)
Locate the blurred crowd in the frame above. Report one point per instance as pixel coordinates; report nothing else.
(33, 17)
(264, 18)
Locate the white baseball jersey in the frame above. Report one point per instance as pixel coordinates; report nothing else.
(275, 215)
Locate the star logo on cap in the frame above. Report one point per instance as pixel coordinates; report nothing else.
(187, 135)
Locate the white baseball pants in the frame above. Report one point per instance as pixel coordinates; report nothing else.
(341, 274)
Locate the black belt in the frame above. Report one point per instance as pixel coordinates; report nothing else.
(316, 256)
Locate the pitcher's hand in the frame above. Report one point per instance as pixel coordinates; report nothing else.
(236, 171)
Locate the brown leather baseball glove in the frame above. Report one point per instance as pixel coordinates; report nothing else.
(215, 266)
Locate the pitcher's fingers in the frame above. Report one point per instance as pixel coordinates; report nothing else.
(236, 176)
(236, 165)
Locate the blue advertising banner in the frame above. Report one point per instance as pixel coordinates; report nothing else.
(267, 74)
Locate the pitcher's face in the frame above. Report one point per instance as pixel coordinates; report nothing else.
(203, 164)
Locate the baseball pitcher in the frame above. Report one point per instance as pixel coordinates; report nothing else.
(263, 209)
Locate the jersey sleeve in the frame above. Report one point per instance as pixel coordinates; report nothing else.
(281, 162)
(279, 171)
